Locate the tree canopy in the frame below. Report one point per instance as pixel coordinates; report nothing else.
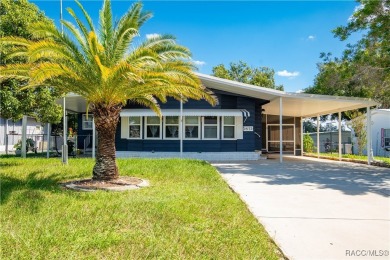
(16, 16)
(241, 72)
(104, 66)
(364, 68)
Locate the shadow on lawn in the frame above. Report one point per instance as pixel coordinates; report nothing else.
(351, 179)
(30, 186)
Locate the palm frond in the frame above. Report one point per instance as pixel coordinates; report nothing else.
(16, 41)
(86, 16)
(106, 26)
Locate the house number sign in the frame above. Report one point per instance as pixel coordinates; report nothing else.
(248, 128)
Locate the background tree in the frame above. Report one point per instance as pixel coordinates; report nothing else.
(358, 124)
(104, 67)
(15, 18)
(364, 68)
(241, 72)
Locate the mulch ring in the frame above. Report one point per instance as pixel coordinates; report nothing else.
(123, 183)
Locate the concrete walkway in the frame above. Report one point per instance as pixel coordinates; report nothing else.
(317, 209)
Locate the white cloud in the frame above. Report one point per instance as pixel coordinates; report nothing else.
(152, 35)
(300, 91)
(199, 62)
(285, 73)
(311, 38)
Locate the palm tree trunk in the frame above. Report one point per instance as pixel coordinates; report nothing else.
(106, 121)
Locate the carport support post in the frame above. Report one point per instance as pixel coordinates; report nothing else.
(369, 159)
(64, 131)
(93, 138)
(48, 140)
(24, 135)
(281, 129)
(318, 136)
(181, 132)
(301, 136)
(340, 136)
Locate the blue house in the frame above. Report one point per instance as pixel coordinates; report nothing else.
(247, 120)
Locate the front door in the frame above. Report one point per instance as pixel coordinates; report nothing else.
(273, 138)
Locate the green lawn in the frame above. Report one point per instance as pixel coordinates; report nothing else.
(187, 212)
(353, 156)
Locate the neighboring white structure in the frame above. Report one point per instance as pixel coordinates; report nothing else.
(380, 133)
(35, 130)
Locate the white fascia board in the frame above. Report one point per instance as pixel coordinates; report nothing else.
(367, 101)
(240, 88)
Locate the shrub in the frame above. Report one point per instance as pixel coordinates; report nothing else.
(308, 143)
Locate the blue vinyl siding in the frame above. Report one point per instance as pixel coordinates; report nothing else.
(250, 141)
(81, 134)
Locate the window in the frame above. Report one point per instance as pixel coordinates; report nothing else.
(171, 127)
(135, 127)
(153, 127)
(210, 127)
(386, 138)
(191, 127)
(87, 122)
(228, 123)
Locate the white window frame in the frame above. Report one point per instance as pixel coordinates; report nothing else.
(140, 129)
(83, 120)
(385, 137)
(146, 129)
(223, 129)
(184, 128)
(178, 128)
(218, 128)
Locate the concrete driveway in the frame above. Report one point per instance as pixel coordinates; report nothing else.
(317, 209)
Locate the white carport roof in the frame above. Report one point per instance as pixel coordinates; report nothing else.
(294, 104)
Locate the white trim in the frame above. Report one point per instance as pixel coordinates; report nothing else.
(239, 128)
(198, 125)
(178, 128)
(146, 129)
(218, 128)
(223, 129)
(140, 130)
(186, 112)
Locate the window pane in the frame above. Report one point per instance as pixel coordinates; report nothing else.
(153, 131)
(135, 131)
(228, 132)
(210, 132)
(387, 132)
(192, 120)
(171, 131)
(87, 125)
(210, 120)
(89, 118)
(228, 120)
(153, 120)
(172, 120)
(192, 131)
(134, 120)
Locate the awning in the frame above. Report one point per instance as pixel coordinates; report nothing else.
(186, 112)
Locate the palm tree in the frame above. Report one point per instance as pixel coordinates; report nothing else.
(105, 68)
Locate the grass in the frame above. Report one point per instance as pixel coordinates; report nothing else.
(188, 212)
(354, 156)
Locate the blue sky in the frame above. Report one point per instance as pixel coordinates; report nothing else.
(287, 36)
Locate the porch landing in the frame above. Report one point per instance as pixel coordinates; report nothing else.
(209, 156)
